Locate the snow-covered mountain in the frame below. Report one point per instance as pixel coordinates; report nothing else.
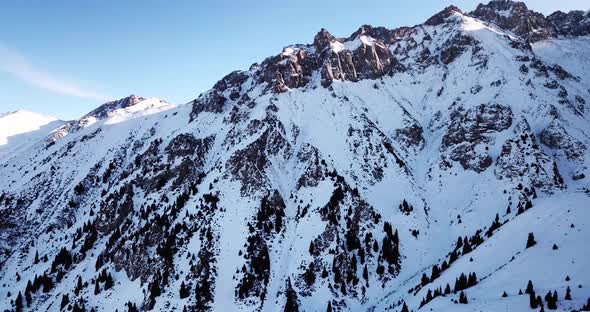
(416, 168)
(21, 128)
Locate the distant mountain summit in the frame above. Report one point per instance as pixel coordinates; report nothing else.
(438, 167)
(21, 122)
(533, 26)
(118, 110)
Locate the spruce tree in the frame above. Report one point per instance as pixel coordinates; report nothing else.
(463, 298)
(551, 305)
(18, 304)
(551, 300)
(435, 272)
(65, 299)
(131, 307)
(529, 287)
(405, 308)
(568, 295)
(108, 283)
(309, 274)
(28, 298)
(425, 279)
(453, 257)
(184, 291)
(429, 296)
(472, 280)
(78, 286)
(530, 240)
(532, 300)
(466, 246)
(329, 309)
(154, 288)
(291, 304)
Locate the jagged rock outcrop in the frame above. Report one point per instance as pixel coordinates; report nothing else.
(516, 17)
(557, 137)
(531, 25)
(441, 16)
(570, 24)
(468, 134)
(523, 161)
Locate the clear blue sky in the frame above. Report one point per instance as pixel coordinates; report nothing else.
(64, 58)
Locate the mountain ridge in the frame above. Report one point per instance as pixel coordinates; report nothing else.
(339, 175)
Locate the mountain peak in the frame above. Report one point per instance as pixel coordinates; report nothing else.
(516, 17)
(440, 17)
(123, 108)
(533, 26)
(322, 40)
(503, 5)
(380, 33)
(21, 121)
(108, 107)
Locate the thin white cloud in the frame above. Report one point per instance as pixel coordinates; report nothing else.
(16, 64)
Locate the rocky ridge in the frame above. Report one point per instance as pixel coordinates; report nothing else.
(325, 176)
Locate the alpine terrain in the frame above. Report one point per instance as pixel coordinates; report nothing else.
(439, 167)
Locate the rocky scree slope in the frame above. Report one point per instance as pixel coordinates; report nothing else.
(359, 173)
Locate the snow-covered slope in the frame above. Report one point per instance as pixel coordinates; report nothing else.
(20, 128)
(351, 174)
(571, 54)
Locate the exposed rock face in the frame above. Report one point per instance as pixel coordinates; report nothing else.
(556, 137)
(292, 71)
(522, 161)
(249, 164)
(441, 16)
(382, 34)
(353, 59)
(533, 26)
(107, 110)
(466, 138)
(367, 53)
(372, 58)
(213, 102)
(515, 16)
(571, 24)
(455, 47)
(368, 58)
(410, 136)
(104, 110)
(322, 40)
